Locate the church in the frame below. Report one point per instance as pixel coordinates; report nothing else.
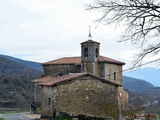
(87, 85)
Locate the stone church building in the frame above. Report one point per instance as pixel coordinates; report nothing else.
(87, 85)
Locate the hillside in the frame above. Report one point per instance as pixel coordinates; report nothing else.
(137, 85)
(16, 89)
(152, 75)
(29, 64)
(141, 92)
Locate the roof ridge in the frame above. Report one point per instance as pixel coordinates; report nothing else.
(60, 79)
(77, 60)
(68, 77)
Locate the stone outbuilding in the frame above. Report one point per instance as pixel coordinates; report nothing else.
(87, 85)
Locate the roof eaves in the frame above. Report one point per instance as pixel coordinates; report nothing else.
(112, 61)
(118, 63)
(70, 78)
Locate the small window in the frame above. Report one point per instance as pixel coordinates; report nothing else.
(59, 74)
(96, 52)
(86, 52)
(49, 101)
(114, 75)
(109, 76)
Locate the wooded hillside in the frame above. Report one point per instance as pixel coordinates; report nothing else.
(16, 89)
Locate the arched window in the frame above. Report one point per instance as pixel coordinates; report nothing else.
(86, 52)
(114, 75)
(49, 101)
(96, 52)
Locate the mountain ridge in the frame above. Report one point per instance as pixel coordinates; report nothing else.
(30, 64)
(133, 84)
(152, 75)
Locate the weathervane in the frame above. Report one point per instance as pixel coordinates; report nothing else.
(89, 37)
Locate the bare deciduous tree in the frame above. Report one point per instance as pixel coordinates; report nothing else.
(141, 18)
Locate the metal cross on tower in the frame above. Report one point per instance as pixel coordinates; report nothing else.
(89, 37)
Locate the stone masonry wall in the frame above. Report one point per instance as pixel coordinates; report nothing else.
(59, 70)
(90, 67)
(110, 69)
(85, 96)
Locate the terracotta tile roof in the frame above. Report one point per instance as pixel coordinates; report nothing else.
(43, 79)
(70, 77)
(77, 60)
(57, 80)
(109, 60)
(65, 60)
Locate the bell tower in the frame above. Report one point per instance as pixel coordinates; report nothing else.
(89, 56)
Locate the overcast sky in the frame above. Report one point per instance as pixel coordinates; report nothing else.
(44, 30)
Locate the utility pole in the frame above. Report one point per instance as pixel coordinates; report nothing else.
(120, 105)
(35, 90)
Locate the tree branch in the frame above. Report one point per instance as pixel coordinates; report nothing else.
(141, 17)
